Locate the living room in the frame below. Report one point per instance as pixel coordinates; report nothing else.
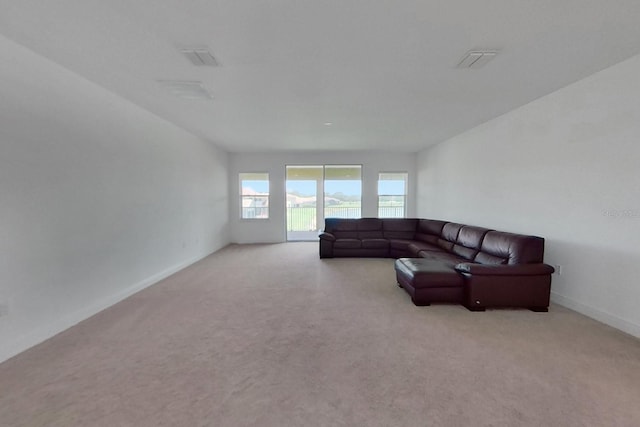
(104, 196)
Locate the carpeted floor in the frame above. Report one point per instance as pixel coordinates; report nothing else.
(270, 335)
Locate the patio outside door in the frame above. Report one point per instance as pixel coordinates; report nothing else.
(304, 185)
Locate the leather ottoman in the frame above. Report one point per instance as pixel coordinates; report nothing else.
(429, 281)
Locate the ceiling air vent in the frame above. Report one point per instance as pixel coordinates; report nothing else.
(477, 58)
(200, 57)
(186, 89)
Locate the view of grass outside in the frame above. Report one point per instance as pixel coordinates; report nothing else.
(392, 194)
(345, 203)
(302, 205)
(254, 195)
(342, 195)
(303, 218)
(342, 187)
(391, 207)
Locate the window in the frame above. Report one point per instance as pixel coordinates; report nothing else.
(343, 191)
(392, 195)
(254, 195)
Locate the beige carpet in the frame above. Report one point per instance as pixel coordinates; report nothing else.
(270, 335)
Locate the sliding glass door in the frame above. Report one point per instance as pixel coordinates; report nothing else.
(304, 208)
(343, 191)
(318, 192)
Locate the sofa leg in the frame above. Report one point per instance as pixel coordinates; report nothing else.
(420, 303)
(539, 309)
(475, 308)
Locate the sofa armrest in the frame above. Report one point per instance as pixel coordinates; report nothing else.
(504, 270)
(327, 236)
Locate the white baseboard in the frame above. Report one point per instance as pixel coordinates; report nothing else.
(45, 332)
(599, 315)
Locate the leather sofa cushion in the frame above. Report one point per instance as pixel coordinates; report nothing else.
(429, 238)
(342, 228)
(449, 236)
(340, 224)
(400, 244)
(422, 273)
(417, 246)
(369, 228)
(345, 234)
(471, 237)
(375, 243)
(444, 257)
(370, 234)
(430, 226)
(515, 248)
(469, 241)
(369, 224)
(484, 258)
(445, 244)
(450, 231)
(399, 228)
(347, 244)
(466, 253)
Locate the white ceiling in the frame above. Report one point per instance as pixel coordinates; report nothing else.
(383, 72)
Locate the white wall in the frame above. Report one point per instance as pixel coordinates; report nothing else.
(564, 167)
(274, 229)
(98, 198)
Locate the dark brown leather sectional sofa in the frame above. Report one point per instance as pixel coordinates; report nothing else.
(498, 269)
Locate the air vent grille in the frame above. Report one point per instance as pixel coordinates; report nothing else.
(476, 58)
(186, 89)
(200, 57)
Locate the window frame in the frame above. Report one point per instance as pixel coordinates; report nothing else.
(404, 196)
(243, 196)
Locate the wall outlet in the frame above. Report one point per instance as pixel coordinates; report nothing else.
(558, 268)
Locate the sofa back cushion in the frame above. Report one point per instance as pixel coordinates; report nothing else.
(469, 241)
(429, 230)
(508, 248)
(399, 228)
(369, 228)
(342, 228)
(354, 228)
(449, 236)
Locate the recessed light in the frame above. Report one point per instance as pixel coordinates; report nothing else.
(328, 123)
